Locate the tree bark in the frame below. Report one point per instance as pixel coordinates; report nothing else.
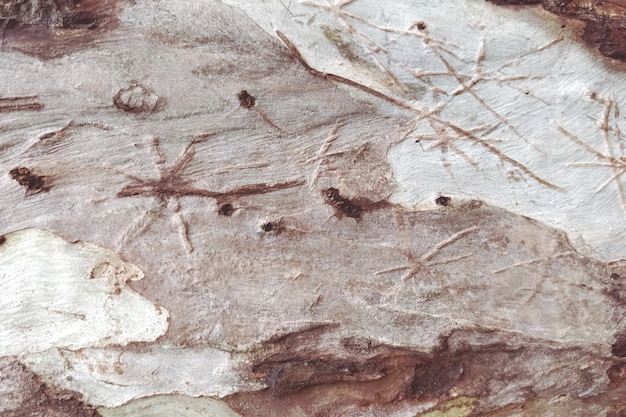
(260, 208)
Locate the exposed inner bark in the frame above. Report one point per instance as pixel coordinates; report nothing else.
(33, 398)
(306, 372)
(51, 28)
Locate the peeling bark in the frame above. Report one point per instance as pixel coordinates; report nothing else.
(50, 29)
(408, 227)
(30, 397)
(304, 374)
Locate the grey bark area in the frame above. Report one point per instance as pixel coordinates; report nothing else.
(195, 222)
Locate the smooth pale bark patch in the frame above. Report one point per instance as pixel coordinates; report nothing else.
(69, 295)
(171, 405)
(113, 376)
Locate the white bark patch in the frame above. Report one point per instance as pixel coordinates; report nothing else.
(172, 406)
(69, 295)
(111, 377)
(508, 107)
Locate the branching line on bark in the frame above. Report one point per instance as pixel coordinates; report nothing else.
(540, 274)
(617, 164)
(415, 265)
(466, 85)
(171, 185)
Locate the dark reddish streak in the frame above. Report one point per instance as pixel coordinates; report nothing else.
(155, 187)
(337, 78)
(9, 104)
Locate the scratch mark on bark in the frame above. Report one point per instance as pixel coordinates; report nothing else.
(425, 261)
(23, 103)
(171, 185)
(532, 261)
(466, 85)
(322, 153)
(617, 164)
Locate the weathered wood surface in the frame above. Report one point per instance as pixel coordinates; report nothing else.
(201, 217)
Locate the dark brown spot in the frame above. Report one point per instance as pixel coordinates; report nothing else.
(343, 205)
(616, 276)
(421, 26)
(117, 289)
(226, 210)
(246, 100)
(443, 201)
(33, 183)
(2, 239)
(269, 227)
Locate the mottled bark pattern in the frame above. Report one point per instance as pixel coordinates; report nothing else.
(200, 218)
